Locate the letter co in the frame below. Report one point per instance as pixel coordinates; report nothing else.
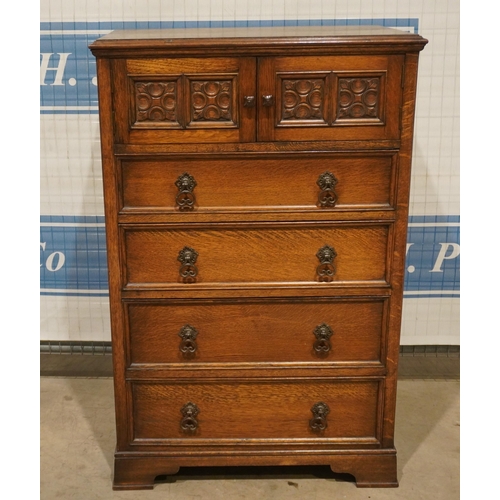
(54, 261)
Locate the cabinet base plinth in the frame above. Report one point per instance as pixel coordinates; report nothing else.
(368, 470)
(139, 473)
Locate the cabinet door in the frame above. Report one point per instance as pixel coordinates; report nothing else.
(184, 100)
(329, 98)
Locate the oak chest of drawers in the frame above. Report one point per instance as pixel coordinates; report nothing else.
(256, 186)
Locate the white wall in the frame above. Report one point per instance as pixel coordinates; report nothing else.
(74, 304)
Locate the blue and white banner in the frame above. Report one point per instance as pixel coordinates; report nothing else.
(73, 261)
(68, 82)
(73, 256)
(433, 257)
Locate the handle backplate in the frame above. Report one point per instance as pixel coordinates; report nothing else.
(188, 271)
(189, 422)
(188, 345)
(185, 198)
(318, 423)
(326, 270)
(322, 344)
(327, 197)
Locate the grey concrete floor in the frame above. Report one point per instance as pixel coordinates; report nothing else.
(78, 438)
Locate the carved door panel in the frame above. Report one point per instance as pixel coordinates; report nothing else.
(329, 98)
(243, 99)
(184, 100)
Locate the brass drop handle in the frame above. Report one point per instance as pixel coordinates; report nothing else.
(185, 198)
(189, 412)
(188, 270)
(322, 333)
(249, 101)
(327, 197)
(267, 100)
(326, 270)
(318, 423)
(188, 345)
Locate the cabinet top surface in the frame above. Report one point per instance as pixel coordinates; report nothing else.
(258, 37)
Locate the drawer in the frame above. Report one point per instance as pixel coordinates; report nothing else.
(242, 409)
(159, 256)
(288, 182)
(338, 331)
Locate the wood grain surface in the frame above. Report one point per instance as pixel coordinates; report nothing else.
(281, 255)
(257, 331)
(235, 410)
(250, 183)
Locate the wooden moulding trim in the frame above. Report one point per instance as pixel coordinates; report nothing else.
(296, 443)
(268, 149)
(320, 459)
(237, 225)
(257, 46)
(199, 50)
(265, 47)
(374, 295)
(260, 372)
(246, 286)
(260, 36)
(141, 217)
(271, 379)
(194, 292)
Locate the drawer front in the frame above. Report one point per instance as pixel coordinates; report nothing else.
(330, 330)
(297, 182)
(256, 410)
(286, 254)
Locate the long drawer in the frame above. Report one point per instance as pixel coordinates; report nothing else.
(333, 330)
(161, 256)
(312, 181)
(240, 410)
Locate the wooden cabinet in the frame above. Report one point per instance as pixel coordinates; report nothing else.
(256, 188)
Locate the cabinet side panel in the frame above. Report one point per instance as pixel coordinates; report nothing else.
(104, 76)
(398, 255)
